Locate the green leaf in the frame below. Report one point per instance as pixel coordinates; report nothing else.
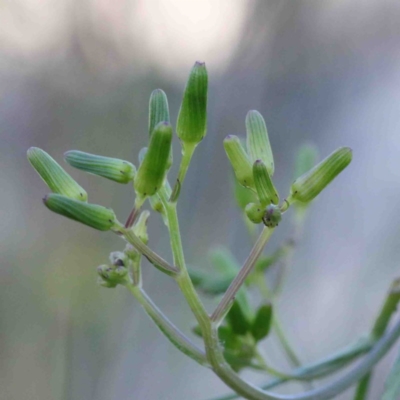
(262, 322)
(238, 319)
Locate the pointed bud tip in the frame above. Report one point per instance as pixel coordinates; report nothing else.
(200, 64)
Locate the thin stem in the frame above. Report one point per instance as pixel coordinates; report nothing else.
(142, 248)
(187, 153)
(229, 296)
(175, 336)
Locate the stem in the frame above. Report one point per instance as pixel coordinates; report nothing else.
(187, 153)
(388, 309)
(229, 296)
(142, 248)
(175, 336)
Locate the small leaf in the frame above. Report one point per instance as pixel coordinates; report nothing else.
(262, 322)
(237, 319)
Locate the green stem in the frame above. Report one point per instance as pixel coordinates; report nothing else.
(388, 309)
(229, 296)
(187, 153)
(175, 336)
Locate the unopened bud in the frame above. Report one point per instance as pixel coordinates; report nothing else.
(111, 168)
(54, 175)
(111, 276)
(262, 322)
(152, 170)
(239, 160)
(255, 212)
(95, 216)
(272, 216)
(258, 144)
(264, 185)
(191, 126)
(309, 185)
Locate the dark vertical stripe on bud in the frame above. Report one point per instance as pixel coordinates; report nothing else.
(110, 168)
(258, 144)
(191, 125)
(264, 185)
(54, 175)
(152, 170)
(239, 160)
(309, 185)
(95, 216)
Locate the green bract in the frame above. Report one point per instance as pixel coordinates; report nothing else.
(239, 160)
(191, 126)
(95, 216)
(54, 176)
(264, 185)
(151, 172)
(258, 144)
(111, 168)
(309, 185)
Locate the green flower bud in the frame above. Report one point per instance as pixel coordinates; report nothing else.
(258, 144)
(98, 217)
(272, 216)
(262, 322)
(152, 170)
(239, 160)
(159, 112)
(307, 157)
(111, 168)
(191, 126)
(309, 185)
(158, 109)
(255, 212)
(111, 276)
(54, 175)
(264, 185)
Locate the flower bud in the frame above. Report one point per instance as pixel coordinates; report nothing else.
(191, 125)
(272, 216)
(152, 170)
(264, 185)
(98, 217)
(262, 322)
(255, 212)
(54, 175)
(309, 185)
(111, 276)
(258, 144)
(111, 168)
(239, 160)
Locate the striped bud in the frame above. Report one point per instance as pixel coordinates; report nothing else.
(54, 175)
(255, 212)
(152, 170)
(239, 160)
(95, 216)
(258, 144)
(262, 322)
(309, 185)
(111, 168)
(272, 216)
(191, 126)
(264, 185)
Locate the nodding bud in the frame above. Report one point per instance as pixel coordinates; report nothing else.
(258, 144)
(112, 275)
(264, 185)
(191, 126)
(272, 216)
(262, 322)
(255, 212)
(239, 160)
(151, 172)
(54, 175)
(95, 216)
(307, 157)
(111, 168)
(310, 184)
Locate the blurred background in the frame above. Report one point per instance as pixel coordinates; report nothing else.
(78, 75)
